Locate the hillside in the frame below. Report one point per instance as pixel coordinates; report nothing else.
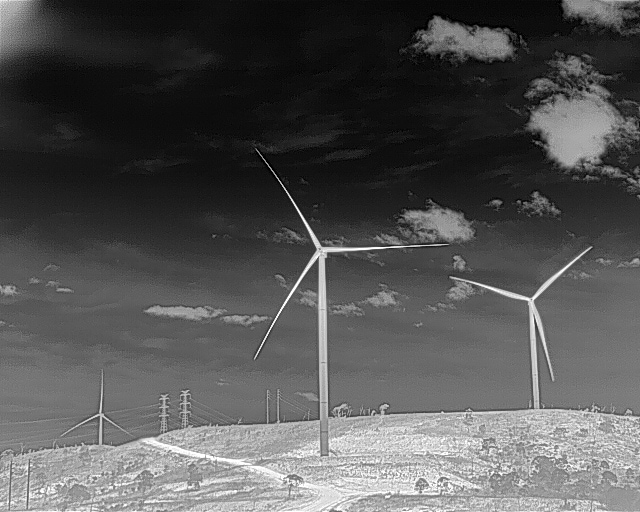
(545, 455)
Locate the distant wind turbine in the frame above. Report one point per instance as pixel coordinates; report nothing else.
(100, 415)
(534, 320)
(320, 255)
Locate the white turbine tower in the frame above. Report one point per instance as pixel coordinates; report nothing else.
(534, 320)
(320, 255)
(100, 415)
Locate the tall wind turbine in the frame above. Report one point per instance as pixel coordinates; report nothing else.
(534, 320)
(100, 415)
(320, 255)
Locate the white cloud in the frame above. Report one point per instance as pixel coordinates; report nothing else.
(8, 290)
(349, 309)
(457, 42)
(34, 280)
(387, 239)
(281, 281)
(53, 284)
(244, 320)
(309, 395)
(196, 314)
(538, 205)
(609, 14)
(579, 275)
(284, 236)
(64, 290)
(434, 223)
(460, 264)
(578, 122)
(604, 261)
(222, 382)
(495, 204)
(308, 298)
(462, 291)
(633, 263)
(336, 241)
(51, 267)
(418, 324)
(2, 323)
(385, 298)
(439, 307)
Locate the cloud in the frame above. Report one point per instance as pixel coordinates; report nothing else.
(385, 298)
(344, 154)
(578, 123)
(34, 280)
(387, 239)
(539, 205)
(244, 320)
(51, 267)
(457, 42)
(64, 290)
(309, 395)
(284, 236)
(460, 264)
(439, 307)
(350, 309)
(8, 290)
(336, 241)
(53, 284)
(222, 382)
(633, 263)
(610, 14)
(151, 165)
(308, 298)
(197, 314)
(462, 291)
(604, 261)
(281, 281)
(418, 324)
(495, 204)
(434, 223)
(578, 275)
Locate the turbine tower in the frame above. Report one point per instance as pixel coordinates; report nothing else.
(534, 320)
(320, 255)
(100, 415)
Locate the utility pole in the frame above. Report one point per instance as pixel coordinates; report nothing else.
(10, 479)
(268, 397)
(164, 413)
(28, 481)
(278, 406)
(184, 407)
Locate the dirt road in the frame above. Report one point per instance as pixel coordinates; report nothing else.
(327, 497)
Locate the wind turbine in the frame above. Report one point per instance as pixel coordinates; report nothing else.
(534, 320)
(100, 415)
(320, 255)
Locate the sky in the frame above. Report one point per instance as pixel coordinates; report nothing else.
(140, 233)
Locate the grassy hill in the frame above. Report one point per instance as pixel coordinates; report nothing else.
(505, 460)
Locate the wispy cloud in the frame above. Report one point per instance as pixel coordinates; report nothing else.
(633, 263)
(283, 236)
(281, 281)
(336, 241)
(605, 262)
(462, 291)
(460, 264)
(457, 42)
(308, 298)
(64, 289)
(387, 239)
(579, 275)
(439, 307)
(34, 280)
(539, 205)
(434, 223)
(344, 154)
(309, 395)
(196, 314)
(244, 320)
(495, 204)
(51, 267)
(8, 290)
(151, 165)
(611, 14)
(418, 324)
(385, 298)
(350, 309)
(52, 284)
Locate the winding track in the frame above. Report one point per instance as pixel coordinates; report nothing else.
(327, 497)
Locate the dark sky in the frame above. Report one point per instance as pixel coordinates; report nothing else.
(141, 233)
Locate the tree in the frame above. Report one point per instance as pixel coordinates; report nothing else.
(421, 484)
(383, 409)
(292, 481)
(145, 480)
(341, 411)
(195, 477)
(443, 484)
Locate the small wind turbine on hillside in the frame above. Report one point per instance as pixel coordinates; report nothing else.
(100, 415)
(320, 255)
(534, 320)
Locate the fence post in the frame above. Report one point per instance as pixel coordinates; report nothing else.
(28, 481)
(10, 479)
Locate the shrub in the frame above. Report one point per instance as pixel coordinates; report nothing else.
(421, 484)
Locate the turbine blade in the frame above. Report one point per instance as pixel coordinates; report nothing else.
(293, 290)
(536, 314)
(101, 390)
(511, 295)
(555, 276)
(116, 425)
(313, 236)
(80, 424)
(380, 248)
